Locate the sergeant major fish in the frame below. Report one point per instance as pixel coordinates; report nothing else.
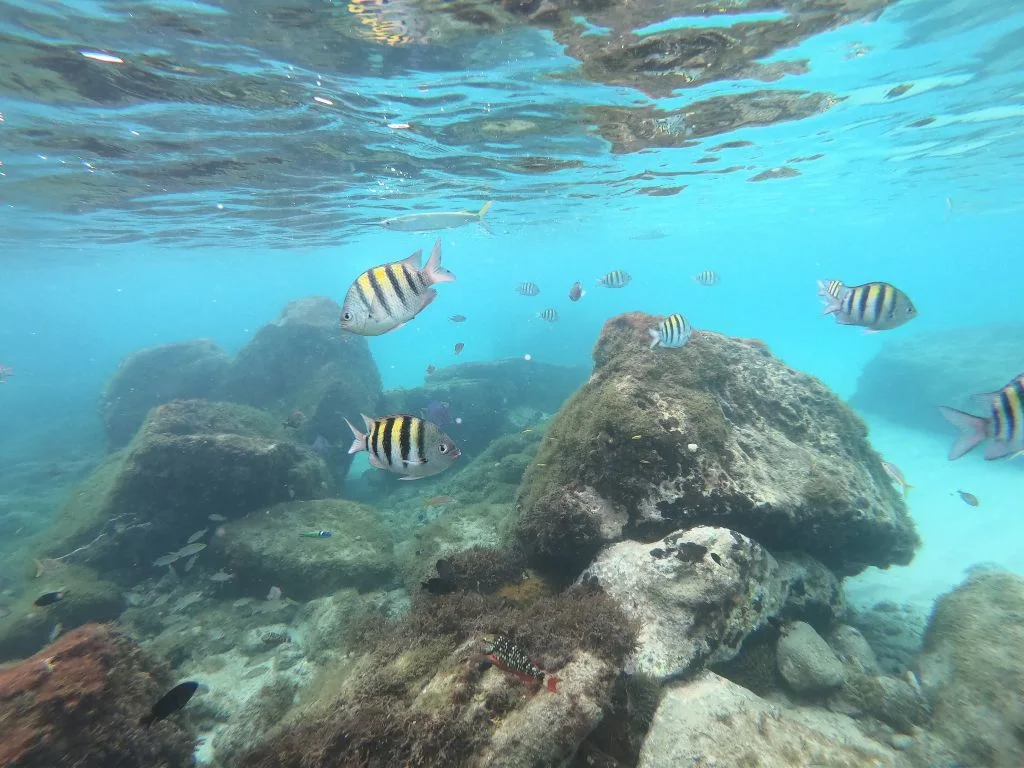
(405, 445)
(1004, 426)
(671, 333)
(708, 277)
(508, 657)
(428, 222)
(386, 297)
(875, 306)
(615, 279)
(527, 289)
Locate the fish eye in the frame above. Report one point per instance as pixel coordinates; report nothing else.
(442, 447)
(346, 316)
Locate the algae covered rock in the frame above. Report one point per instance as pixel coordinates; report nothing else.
(150, 377)
(972, 666)
(304, 362)
(192, 458)
(911, 375)
(698, 594)
(82, 698)
(727, 725)
(718, 432)
(87, 599)
(266, 549)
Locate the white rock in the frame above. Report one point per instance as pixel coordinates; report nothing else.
(712, 722)
(806, 662)
(698, 593)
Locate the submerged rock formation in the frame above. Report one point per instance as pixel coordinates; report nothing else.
(266, 549)
(972, 666)
(80, 699)
(191, 459)
(150, 377)
(912, 375)
(716, 433)
(698, 594)
(304, 362)
(710, 721)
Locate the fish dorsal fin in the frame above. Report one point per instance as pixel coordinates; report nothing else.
(368, 422)
(414, 261)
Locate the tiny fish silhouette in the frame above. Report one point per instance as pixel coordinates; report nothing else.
(170, 702)
(50, 598)
(459, 347)
(969, 498)
(458, 318)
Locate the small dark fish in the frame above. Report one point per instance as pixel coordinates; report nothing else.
(551, 315)
(431, 370)
(459, 347)
(969, 498)
(437, 412)
(320, 445)
(170, 702)
(295, 420)
(458, 318)
(576, 292)
(899, 90)
(50, 598)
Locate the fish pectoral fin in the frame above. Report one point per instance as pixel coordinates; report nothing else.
(409, 477)
(418, 462)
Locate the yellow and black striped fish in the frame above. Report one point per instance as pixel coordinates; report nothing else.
(833, 288)
(528, 289)
(615, 279)
(1005, 425)
(707, 277)
(388, 296)
(406, 445)
(875, 306)
(672, 332)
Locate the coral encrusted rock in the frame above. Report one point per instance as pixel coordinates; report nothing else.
(720, 433)
(79, 702)
(698, 594)
(972, 667)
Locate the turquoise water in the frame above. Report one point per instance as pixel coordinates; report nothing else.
(238, 156)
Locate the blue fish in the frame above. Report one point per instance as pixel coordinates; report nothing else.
(437, 413)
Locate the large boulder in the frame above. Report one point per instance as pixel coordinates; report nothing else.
(150, 377)
(972, 666)
(698, 594)
(192, 459)
(912, 375)
(79, 701)
(490, 399)
(266, 549)
(711, 721)
(719, 433)
(304, 362)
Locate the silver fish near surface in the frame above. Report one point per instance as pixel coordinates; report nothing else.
(405, 445)
(615, 279)
(527, 289)
(386, 297)
(429, 222)
(671, 333)
(708, 277)
(1004, 425)
(874, 306)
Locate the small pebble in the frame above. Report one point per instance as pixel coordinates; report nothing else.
(692, 447)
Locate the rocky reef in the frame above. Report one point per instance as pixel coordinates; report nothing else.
(717, 433)
(912, 375)
(82, 698)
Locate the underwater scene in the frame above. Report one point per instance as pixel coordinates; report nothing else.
(511, 384)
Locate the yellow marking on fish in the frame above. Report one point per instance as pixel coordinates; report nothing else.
(366, 288)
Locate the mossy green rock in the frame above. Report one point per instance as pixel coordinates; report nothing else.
(88, 599)
(266, 549)
(718, 433)
(973, 666)
(190, 460)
